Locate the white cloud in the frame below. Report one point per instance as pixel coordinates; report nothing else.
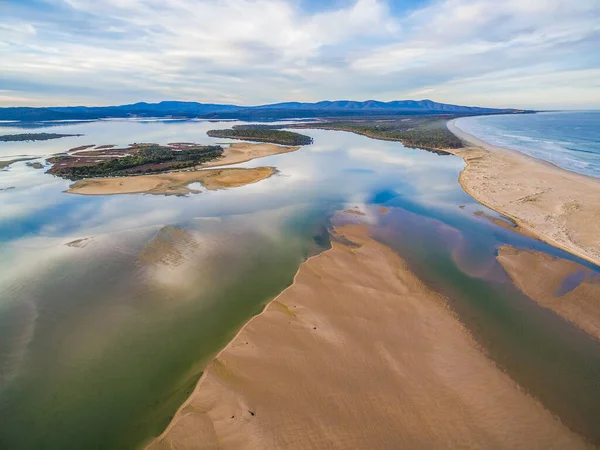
(254, 51)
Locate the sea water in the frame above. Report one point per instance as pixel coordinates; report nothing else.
(568, 139)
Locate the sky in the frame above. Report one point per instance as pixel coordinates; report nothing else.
(540, 54)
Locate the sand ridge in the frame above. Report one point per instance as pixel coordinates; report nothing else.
(358, 353)
(557, 206)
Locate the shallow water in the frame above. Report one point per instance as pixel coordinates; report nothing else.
(100, 341)
(570, 140)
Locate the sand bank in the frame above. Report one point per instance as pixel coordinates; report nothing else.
(5, 164)
(358, 353)
(171, 183)
(246, 151)
(558, 206)
(567, 288)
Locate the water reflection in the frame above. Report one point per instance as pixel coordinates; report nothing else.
(109, 305)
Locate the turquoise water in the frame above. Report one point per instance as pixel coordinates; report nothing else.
(100, 343)
(570, 140)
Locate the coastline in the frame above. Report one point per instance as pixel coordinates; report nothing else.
(305, 372)
(555, 205)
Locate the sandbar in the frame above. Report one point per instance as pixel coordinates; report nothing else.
(566, 287)
(358, 353)
(175, 183)
(555, 205)
(246, 151)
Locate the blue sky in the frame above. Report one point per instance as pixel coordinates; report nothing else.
(513, 53)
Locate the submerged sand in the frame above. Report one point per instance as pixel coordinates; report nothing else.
(175, 183)
(558, 206)
(567, 288)
(358, 353)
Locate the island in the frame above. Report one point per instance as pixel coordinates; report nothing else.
(262, 133)
(34, 137)
(137, 159)
(162, 169)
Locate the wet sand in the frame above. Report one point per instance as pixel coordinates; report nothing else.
(246, 151)
(171, 183)
(358, 353)
(567, 288)
(558, 206)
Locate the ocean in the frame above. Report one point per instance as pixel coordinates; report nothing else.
(568, 139)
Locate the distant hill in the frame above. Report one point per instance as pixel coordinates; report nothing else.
(398, 105)
(218, 111)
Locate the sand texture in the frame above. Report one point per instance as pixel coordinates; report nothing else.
(358, 353)
(558, 206)
(565, 287)
(245, 151)
(174, 183)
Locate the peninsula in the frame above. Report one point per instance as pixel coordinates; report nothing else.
(34, 137)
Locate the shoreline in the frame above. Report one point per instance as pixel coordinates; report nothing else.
(555, 205)
(172, 423)
(478, 142)
(233, 403)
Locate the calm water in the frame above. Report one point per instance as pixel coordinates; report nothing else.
(101, 341)
(570, 140)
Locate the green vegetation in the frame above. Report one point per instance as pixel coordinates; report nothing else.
(33, 137)
(262, 133)
(425, 132)
(146, 158)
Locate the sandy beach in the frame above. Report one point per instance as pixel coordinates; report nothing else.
(369, 360)
(175, 183)
(567, 288)
(558, 206)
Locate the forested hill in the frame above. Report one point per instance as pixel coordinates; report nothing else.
(217, 111)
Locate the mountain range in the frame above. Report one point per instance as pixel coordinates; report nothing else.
(264, 112)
